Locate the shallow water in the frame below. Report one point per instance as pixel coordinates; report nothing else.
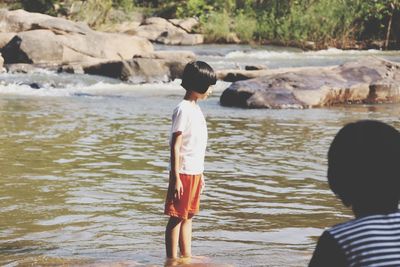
(83, 175)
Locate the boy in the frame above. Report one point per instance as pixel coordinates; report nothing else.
(188, 144)
(364, 173)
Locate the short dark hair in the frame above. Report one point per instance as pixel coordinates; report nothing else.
(198, 76)
(364, 164)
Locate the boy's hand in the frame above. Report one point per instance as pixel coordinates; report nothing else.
(178, 191)
(202, 184)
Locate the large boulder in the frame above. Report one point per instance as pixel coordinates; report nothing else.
(160, 67)
(108, 46)
(138, 70)
(163, 31)
(5, 38)
(175, 60)
(39, 46)
(369, 80)
(45, 39)
(21, 20)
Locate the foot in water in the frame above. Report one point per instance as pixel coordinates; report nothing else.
(194, 261)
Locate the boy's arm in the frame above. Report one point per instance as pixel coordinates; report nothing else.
(176, 144)
(202, 184)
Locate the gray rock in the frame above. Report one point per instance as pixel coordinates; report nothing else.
(162, 31)
(38, 46)
(179, 38)
(43, 46)
(310, 45)
(1, 64)
(369, 80)
(174, 55)
(127, 27)
(175, 60)
(21, 20)
(5, 38)
(186, 24)
(255, 67)
(106, 46)
(45, 39)
(239, 75)
(124, 22)
(20, 68)
(71, 68)
(140, 70)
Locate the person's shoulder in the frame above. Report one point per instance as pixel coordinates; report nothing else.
(179, 106)
(358, 222)
(328, 252)
(183, 106)
(341, 226)
(181, 109)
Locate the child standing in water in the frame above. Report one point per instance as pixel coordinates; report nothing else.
(188, 143)
(364, 173)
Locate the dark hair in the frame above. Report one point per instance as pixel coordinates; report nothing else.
(198, 76)
(364, 164)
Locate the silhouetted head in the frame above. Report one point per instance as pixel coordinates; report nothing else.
(364, 166)
(198, 76)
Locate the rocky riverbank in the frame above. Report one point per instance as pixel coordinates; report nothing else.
(56, 43)
(31, 40)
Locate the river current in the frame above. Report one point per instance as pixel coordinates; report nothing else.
(83, 168)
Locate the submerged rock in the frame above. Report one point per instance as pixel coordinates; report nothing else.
(369, 80)
(255, 67)
(20, 68)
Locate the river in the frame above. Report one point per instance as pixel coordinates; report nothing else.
(83, 168)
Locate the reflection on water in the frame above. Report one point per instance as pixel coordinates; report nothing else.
(83, 180)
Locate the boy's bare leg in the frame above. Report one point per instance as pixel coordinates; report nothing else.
(172, 233)
(185, 238)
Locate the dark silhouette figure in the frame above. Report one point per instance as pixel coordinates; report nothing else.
(364, 173)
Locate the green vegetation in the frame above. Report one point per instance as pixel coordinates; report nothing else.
(339, 23)
(217, 27)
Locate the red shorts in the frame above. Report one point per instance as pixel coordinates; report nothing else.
(189, 203)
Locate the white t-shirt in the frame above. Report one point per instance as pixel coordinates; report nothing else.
(188, 119)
